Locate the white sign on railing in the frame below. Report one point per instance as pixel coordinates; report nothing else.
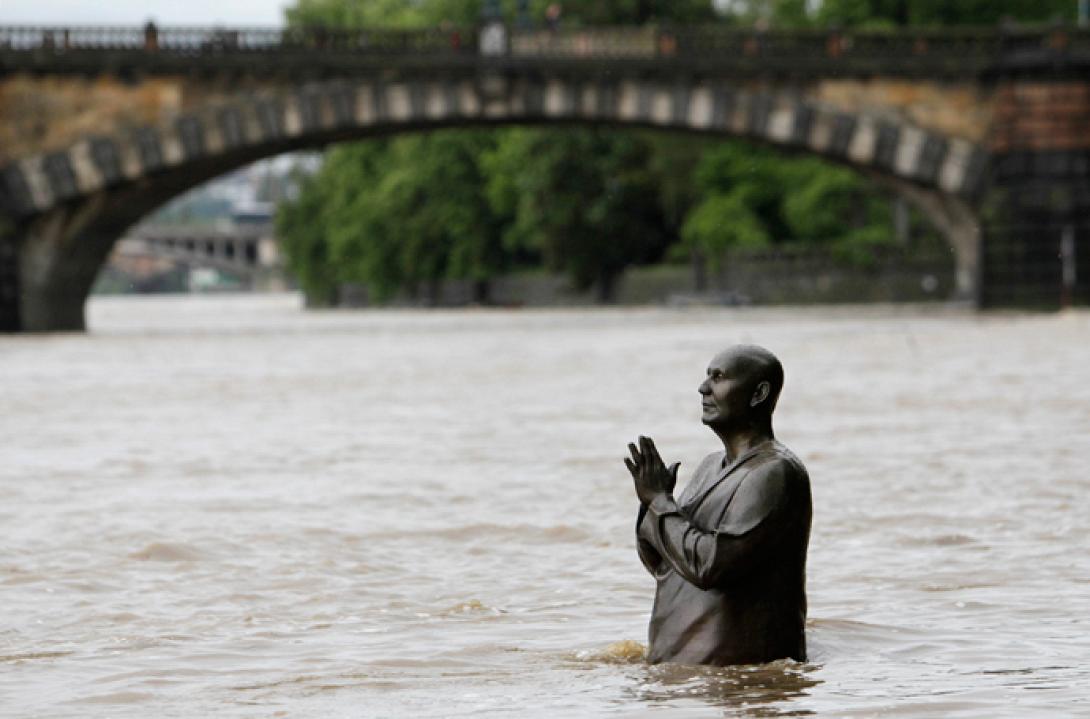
(493, 39)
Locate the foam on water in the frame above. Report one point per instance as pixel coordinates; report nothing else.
(626, 651)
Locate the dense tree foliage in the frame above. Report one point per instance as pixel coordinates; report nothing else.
(754, 198)
(403, 214)
(355, 14)
(301, 226)
(586, 201)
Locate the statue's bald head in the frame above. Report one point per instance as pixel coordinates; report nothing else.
(751, 365)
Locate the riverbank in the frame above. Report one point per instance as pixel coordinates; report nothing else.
(771, 277)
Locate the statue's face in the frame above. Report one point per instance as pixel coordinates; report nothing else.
(725, 393)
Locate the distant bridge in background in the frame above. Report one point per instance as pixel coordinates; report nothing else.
(247, 253)
(986, 130)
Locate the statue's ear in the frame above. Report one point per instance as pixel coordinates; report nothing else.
(760, 394)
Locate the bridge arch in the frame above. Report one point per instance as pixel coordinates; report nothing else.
(70, 206)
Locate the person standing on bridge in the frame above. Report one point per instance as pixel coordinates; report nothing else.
(729, 554)
(552, 17)
(151, 36)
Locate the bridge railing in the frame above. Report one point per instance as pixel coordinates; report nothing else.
(711, 41)
(894, 51)
(212, 40)
(607, 42)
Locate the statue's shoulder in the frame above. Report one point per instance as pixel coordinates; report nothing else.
(712, 463)
(705, 472)
(778, 459)
(775, 478)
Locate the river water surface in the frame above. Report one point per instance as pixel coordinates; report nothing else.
(230, 507)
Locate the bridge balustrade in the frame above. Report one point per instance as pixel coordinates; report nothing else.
(213, 40)
(967, 49)
(591, 42)
(236, 250)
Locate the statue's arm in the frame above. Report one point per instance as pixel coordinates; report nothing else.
(645, 532)
(746, 536)
(650, 556)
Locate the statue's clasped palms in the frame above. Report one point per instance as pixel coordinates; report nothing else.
(650, 474)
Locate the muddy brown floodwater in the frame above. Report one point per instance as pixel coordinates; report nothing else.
(225, 506)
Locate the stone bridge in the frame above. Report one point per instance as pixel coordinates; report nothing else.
(247, 252)
(987, 131)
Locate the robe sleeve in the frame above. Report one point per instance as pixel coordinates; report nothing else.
(645, 534)
(747, 533)
(650, 556)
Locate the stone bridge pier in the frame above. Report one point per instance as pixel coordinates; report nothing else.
(1036, 213)
(58, 256)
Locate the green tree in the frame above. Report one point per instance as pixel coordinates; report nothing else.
(434, 208)
(739, 201)
(351, 221)
(673, 162)
(834, 206)
(723, 222)
(754, 197)
(298, 225)
(348, 15)
(584, 200)
(362, 14)
(408, 213)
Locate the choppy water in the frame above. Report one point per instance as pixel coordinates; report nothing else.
(229, 507)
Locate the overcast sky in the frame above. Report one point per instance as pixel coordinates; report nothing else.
(136, 12)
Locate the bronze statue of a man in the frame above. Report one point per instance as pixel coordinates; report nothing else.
(729, 554)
